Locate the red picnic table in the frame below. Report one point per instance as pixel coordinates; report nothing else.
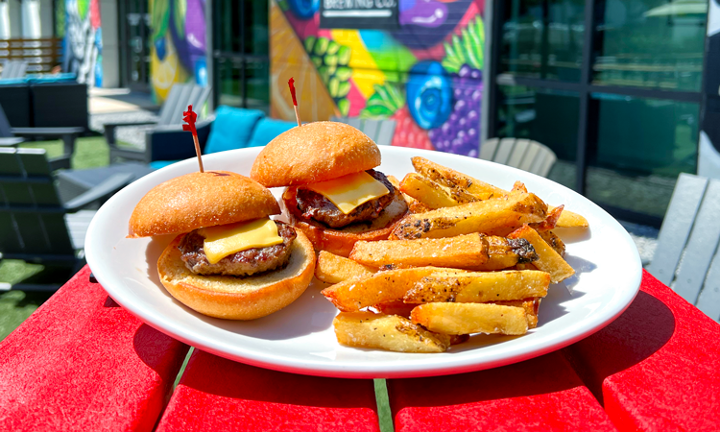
(81, 362)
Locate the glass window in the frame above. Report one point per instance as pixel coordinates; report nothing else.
(256, 27)
(637, 148)
(546, 116)
(241, 57)
(258, 85)
(650, 43)
(229, 73)
(228, 33)
(542, 38)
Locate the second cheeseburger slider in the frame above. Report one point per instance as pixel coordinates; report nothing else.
(334, 195)
(230, 260)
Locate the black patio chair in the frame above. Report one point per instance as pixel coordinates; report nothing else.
(35, 224)
(10, 136)
(169, 118)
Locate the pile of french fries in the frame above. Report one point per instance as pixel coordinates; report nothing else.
(469, 258)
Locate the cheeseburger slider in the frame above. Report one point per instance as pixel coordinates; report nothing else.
(334, 196)
(230, 260)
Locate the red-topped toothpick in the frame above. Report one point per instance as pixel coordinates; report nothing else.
(291, 83)
(190, 118)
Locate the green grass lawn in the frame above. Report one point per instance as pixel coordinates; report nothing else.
(16, 306)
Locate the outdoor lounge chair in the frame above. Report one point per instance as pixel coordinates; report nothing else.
(687, 257)
(527, 155)
(169, 118)
(380, 131)
(9, 135)
(35, 224)
(14, 69)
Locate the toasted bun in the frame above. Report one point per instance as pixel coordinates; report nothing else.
(341, 241)
(236, 298)
(200, 200)
(313, 153)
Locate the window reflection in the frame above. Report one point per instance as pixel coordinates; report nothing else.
(650, 43)
(543, 38)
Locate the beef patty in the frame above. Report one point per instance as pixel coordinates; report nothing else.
(316, 206)
(243, 263)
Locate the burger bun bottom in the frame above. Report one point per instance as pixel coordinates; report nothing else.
(238, 298)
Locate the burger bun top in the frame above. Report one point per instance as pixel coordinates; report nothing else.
(313, 153)
(199, 200)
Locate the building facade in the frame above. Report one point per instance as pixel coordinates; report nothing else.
(616, 88)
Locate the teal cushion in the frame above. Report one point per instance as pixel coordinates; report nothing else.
(156, 165)
(267, 129)
(232, 128)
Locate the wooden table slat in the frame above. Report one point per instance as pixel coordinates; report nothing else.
(220, 395)
(82, 363)
(657, 367)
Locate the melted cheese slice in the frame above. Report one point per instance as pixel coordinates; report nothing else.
(224, 240)
(350, 191)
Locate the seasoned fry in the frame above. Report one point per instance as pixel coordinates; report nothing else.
(467, 251)
(548, 260)
(554, 241)
(414, 205)
(519, 186)
(484, 216)
(386, 286)
(478, 287)
(395, 308)
(504, 253)
(465, 318)
(531, 307)
(388, 332)
(550, 221)
(480, 189)
(454, 179)
(569, 219)
(432, 194)
(333, 268)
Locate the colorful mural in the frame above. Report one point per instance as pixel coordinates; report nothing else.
(83, 41)
(177, 52)
(426, 74)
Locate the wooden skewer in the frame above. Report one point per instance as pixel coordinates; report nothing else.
(291, 83)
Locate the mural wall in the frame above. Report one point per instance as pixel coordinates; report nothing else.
(83, 41)
(178, 44)
(426, 73)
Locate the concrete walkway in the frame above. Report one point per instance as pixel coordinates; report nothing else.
(122, 105)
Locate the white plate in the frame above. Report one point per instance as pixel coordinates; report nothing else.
(300, 338)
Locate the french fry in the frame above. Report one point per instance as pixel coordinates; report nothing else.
(454, 179)
(569, 219)
(432, 194)
(382, 287)
(504, 253)
(482, 190)
(548, 260)
(414, 205)
(467, 251)
(554, 241)
(510, 211)
(465, 318)
(387, 332)
(395, 308)
(531, 307)
(333, 268)
(478, 287)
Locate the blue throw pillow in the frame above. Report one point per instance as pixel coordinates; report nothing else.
(267, 129)
(232, 128)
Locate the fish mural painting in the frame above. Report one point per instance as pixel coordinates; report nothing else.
(425, 72)
(178, 44)
(83, 41)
